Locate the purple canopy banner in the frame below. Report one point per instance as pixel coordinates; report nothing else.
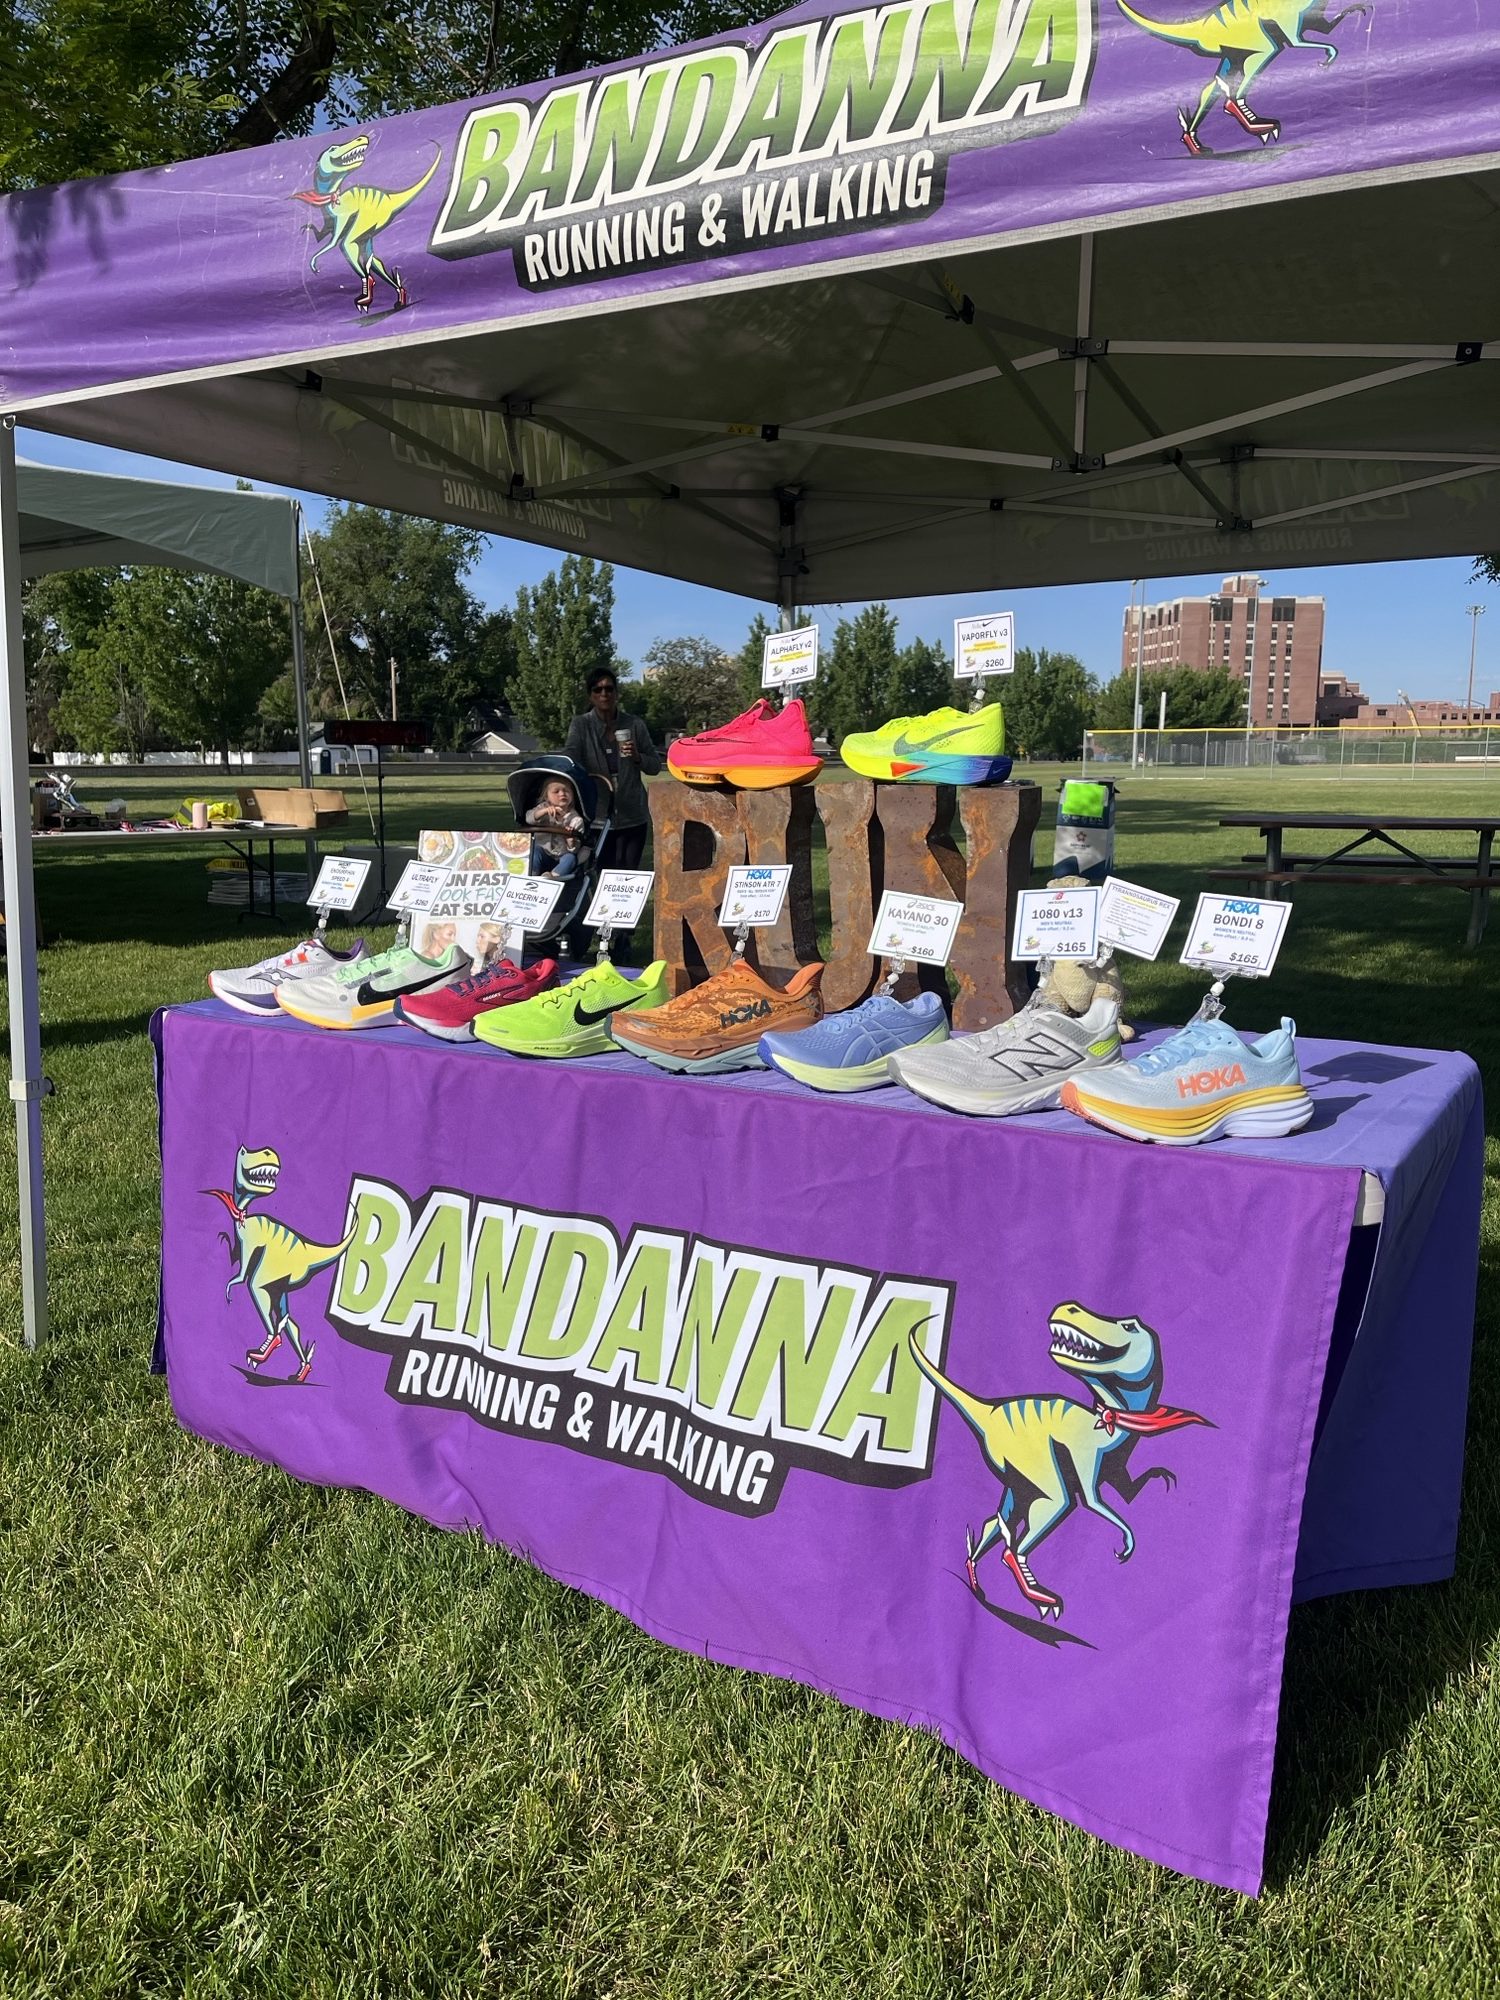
(999, 1430)
(831, 133)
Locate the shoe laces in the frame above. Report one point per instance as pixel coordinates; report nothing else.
(1198, 1038)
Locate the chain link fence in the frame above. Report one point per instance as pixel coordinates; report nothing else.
(1471, 750)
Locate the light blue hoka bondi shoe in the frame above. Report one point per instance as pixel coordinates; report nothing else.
(1203, 1083)
(851, 1051)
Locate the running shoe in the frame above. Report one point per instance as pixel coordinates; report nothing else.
(253, 988)
(364, 995)
(1202, 1083)
(1018, 1065)
(449, 1012)
(944, 748)
(851, 1051)
(717, 1025)
(761, 748)
(576, 1019)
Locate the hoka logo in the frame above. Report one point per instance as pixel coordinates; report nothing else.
(751, 1011)
(1210, 1079)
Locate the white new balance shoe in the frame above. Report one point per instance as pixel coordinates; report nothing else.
(1018, 1065)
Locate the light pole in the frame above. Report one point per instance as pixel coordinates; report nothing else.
(1476, 612)
(1140, 641)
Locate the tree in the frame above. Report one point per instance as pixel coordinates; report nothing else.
(60, 616)
(1487, 569)
(88, 89)
(750, 660)
(920, 681)
(393, 589)
(688, 685)
(563, 632)
(853, 678)
(201, 649)
(1195, 700)
(1047, 702)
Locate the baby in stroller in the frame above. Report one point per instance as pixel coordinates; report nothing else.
(557, 825)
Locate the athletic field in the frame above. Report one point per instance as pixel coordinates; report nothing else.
(259, 1739)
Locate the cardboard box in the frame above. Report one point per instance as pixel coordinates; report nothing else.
(294, 805)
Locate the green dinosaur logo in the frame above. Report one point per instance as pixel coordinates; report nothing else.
(354, 214)
(1242, 37)
(270, 1259)
(822, 128)
(1052, 1454)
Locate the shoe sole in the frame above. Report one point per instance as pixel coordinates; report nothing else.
(744, 1057)
(954, 1095)
(461, 1031)
(945, 770)
(1272, 1112)
(358, 1017)
(240, 1004)
(863, 1076)
(751, 777)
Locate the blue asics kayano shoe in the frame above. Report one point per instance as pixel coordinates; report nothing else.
(1203, 1083)
(851, 1051)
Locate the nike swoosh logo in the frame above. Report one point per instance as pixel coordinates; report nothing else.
(904, 747)
(589, 1017)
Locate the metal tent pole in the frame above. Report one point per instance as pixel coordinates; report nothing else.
(27, 1084)
(299, 682)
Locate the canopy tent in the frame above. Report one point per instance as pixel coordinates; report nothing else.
(55, 519)
(93, 520)
(930, 295)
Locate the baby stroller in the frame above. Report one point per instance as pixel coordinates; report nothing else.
(525, 787)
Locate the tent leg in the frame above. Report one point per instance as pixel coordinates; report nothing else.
(27, 1086)
(301, 687)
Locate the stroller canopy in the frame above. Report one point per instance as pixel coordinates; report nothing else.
(525, 784)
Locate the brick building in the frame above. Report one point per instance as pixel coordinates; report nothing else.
(1274, 645)
(1427, 714)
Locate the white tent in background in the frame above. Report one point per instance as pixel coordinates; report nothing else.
(60, 519)
(869, 301)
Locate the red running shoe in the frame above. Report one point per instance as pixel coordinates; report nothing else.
(450, 1012)
(759, 749)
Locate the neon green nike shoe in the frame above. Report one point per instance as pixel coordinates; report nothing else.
(941, 749)
(944, 748)
(574, 1020)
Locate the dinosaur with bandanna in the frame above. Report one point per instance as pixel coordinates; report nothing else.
(1053, 1454)
(270, 1259)
(354, 214)
(1242, 37)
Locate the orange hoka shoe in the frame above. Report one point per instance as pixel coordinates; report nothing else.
(759, 749)
(717, 1025)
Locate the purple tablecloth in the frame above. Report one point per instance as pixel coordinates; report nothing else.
(660, 1334)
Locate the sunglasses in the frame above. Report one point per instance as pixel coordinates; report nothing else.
(603, 687)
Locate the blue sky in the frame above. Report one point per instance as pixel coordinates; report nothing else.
(1390, 625)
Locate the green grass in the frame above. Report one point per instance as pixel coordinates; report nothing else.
(260, 1739)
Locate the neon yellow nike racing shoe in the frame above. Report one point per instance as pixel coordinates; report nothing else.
(574, 1020)
(944, 748)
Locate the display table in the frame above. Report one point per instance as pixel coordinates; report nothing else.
(657, 1333)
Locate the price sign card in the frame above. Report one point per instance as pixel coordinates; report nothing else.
(1134, 919)
(753, 897)
(420, 883)
(527, 901)
(619, 898)
(339, 882)
(1236, 934)
(984, 645)
(789, 657)
(920, 927)
(1056, 923)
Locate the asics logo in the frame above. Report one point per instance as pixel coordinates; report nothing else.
(1210, 1079)
(753, 1010)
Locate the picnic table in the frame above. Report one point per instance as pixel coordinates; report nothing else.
(1400, 866)
(241, 838)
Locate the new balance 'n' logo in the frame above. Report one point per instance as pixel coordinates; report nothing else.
(1043, 1055)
